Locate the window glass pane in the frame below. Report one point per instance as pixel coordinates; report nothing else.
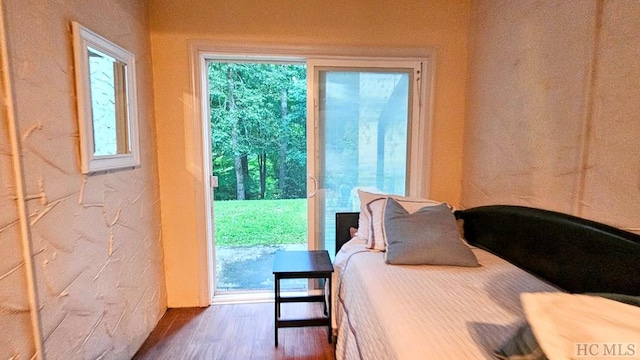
(363, 130)
(107, 77)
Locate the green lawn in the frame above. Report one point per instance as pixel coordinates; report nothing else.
(260, 222)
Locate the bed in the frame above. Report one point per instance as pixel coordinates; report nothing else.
(409, 311)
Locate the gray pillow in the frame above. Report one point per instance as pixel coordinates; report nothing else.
(427, 236)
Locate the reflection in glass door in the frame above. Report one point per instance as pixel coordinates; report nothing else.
(363, 124)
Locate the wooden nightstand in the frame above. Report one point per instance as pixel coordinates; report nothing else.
(314, 264)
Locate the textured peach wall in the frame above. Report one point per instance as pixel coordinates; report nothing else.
(612, 177)
(552, 108)
(15, 326)
(438, 24)
(96, 239)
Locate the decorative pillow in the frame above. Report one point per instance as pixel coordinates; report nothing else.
(364, 223)
(560, 322)
(427, 236)
(375, 211)
(372, 205)
(521, 346)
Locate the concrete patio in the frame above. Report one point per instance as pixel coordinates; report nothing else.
(241, 268)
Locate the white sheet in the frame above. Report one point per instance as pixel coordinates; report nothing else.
(426, 312)
(560, 322)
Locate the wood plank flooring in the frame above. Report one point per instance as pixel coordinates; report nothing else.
(238, 331)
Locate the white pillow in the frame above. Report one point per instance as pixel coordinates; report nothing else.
(364, 219)
(371, 222)
(561, 322)
(375, 213)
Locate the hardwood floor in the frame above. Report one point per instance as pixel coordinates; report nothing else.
(239, 331)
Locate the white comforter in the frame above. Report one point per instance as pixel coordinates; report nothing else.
(425, 312)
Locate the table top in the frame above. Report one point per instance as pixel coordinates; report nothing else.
(302, 262)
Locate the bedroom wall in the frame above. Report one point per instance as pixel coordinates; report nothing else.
(96, 239)
(15, 330)
(552, 117)
(438, 24)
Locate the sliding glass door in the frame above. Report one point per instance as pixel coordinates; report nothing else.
(364, 114)
(292, 142)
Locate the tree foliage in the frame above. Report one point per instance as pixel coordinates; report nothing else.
(258, 126)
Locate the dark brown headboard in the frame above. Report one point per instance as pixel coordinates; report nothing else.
(576, 254)
(344, 221)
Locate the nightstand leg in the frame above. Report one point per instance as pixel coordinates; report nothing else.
(328, 304)
(325, 302)
(276, 311)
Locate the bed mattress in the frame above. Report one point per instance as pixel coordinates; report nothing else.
(426, 312)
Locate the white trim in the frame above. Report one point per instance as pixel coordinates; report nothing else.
(313, 231)
(82, 39)
(258, 296)
(427, 91)
(273, 51)
(198, 158)
(199, 166)
(244, 298)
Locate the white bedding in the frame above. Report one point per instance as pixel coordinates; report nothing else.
(561, 321)
(425, 312)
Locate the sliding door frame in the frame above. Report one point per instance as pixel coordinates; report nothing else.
(197, 128)
(416, 145)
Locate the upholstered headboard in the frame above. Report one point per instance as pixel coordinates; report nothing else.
(575, 254)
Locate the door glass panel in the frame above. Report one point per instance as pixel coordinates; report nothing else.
(258, 129)
(363, 122)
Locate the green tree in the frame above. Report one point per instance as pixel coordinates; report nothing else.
(258, 121)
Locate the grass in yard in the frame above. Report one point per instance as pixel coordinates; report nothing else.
(260, 222)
